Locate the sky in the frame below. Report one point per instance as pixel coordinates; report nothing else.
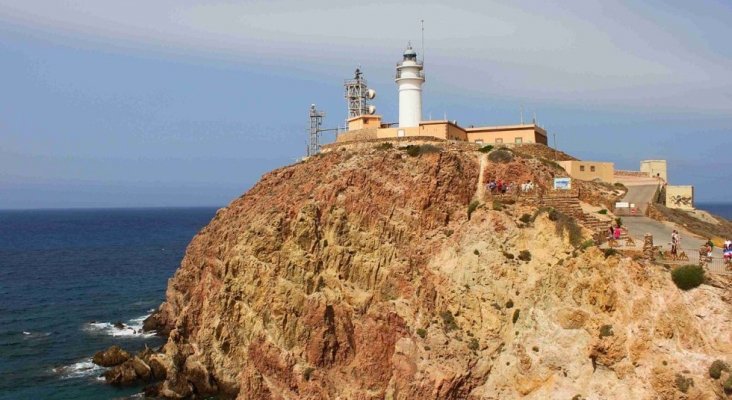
(187, 103)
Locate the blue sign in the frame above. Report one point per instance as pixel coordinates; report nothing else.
(562, 183)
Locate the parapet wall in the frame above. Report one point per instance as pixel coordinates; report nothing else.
(397, 142)
(622, 172)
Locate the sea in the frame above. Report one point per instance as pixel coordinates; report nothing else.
(66, 277)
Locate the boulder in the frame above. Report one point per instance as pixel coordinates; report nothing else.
(122, 375)
(142, 370)
(111, 357)
(159, 364)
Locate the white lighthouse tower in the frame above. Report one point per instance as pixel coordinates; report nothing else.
(409, 78)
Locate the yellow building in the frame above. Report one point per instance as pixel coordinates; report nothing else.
(589, 170)
(654, 168)
(365, 127)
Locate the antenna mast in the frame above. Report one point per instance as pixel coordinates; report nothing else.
(422, 42)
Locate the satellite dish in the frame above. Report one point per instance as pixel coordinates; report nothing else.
(370, 94)
(372, 109)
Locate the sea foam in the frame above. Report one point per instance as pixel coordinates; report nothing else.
(132, 328)
(81, 369)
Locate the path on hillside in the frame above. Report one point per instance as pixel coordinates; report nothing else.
(480, 190)
(640, 191)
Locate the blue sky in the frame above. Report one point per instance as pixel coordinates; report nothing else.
(178, 103)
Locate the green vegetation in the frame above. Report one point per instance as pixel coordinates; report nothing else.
(497, 205)
(473, 344)
(384, 146)
(500, 156)
(619, 222)
(603, 212)
(414, 150)
(421, 332)
(727, 386)
(610, 252)
(508, 255)
(486, 149)
(524, 255)
(526, 218)
(550, 163)
(516, 315)
(688, 276)
(476, 252)
(307, 372)
(535, 349)
(448, 321)
(472, 207)
(715, 370)
(449, 232)
(509, 303)
(606, 330)
(683, 383)
(563, 223)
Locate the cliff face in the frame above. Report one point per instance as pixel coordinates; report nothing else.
(358, 275)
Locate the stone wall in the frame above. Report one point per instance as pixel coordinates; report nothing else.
(622, 172)
(680, 196)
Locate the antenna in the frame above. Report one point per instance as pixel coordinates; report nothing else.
(522, 114)
(422, 42)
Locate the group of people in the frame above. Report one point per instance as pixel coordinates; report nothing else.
(727, 250)
(614, 232)
(675, 242)
(501, 187)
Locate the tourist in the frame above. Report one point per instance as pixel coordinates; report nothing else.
(611, 232)
(675, 242)
(728, 244)
(616, 233)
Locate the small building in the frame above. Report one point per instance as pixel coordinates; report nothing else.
(589, 170)
(680, 196)
(654, 168)
(516, 134)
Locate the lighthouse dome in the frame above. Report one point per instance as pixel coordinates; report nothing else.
(410, 54)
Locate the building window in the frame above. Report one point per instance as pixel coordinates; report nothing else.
(499, 141)
(479, 141)
(582, 168)
(519, 140)
(592, 168)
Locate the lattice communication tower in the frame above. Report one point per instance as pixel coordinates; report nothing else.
(316, 121)
(358, 95)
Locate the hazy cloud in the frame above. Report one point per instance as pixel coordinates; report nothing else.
(614, 54)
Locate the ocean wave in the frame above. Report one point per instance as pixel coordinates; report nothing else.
(132, 328)
(81, 369)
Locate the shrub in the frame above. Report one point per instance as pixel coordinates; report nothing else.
(414, 150)
(535, 349)
(619, 221)
(449, 232)
(307, 372)
(683, 383)
(476, 252)
(524, 255)
(606, 330)
(526, 218)
(587, 244)
(473, 344)
(509, 303)
(516, 315)
(385, 146)
(688, 276)
(609, 252)
(603, 212)
(500, 156)
(727, 386)
(497, 205)
(448, 320)
(508, 255)
(421, 332)
(486, 149)
(715, 370)
(471, 208)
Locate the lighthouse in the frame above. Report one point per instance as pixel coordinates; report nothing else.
(409, 79)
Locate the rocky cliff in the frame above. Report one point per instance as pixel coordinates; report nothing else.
(366, 274)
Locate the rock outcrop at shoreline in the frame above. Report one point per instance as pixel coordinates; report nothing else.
(362, 274)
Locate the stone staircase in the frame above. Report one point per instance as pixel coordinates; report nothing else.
(567, 202)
